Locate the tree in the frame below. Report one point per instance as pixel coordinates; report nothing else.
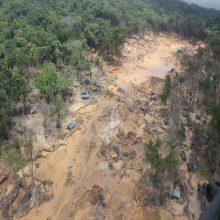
(64, 83)
(13, 157)
(166, 90)
(215, 44)
(54, 88)
(79, 58)
(160, 164)
(34, 53)
(5, 114)
(116, 38)
(216, 116)
(46, 82)
(51, 83)
(162, 168)
(18, 88)
(152, 153)
(59, 106)
(204, 171)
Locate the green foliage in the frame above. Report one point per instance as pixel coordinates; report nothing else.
(79, 59)
(204, 171)
(215, 42)
(12, 156)
(58, 110)
(213, 150)
(160, 164)
(103, 25)
(152, 153)
(51, 84)
(202, 77)
(163, 168)
(216, 116)
(182, 132)
(210, 84)
(170, 162)
(198, 130)
(157, 214)
(34, 32)
(17, 88)
(166, 89)
(198, 133)
(5, 114)
(46, 82)
(109, 92)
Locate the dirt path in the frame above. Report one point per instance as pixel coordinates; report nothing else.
(96, 174)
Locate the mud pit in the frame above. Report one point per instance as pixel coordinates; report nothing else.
(95, 176)
(146, 57)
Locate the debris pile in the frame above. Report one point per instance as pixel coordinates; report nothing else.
(20, 198)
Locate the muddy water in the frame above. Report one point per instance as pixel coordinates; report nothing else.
(93, 173)
(144, 58)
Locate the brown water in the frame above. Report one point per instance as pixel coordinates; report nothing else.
(146, 57)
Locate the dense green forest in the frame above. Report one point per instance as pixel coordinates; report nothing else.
(53, 35)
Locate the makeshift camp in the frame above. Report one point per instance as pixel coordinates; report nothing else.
(71, 125)
(175, 194)
(192, 167)
(85, 95)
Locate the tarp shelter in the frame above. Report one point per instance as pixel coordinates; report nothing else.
(175, 194)
(85, 95)
(71, 125)
(192, 167)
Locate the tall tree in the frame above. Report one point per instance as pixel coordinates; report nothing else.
(17, 88)
(5, 114)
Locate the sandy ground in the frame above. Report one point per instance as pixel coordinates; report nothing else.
(91, 180)
(146, 57)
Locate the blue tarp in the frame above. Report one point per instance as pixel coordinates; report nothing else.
(175, 194)
(71, 125)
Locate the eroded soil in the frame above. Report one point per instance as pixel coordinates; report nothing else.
(96, 175)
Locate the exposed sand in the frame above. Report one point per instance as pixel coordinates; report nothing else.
(93, 173)
(146, 57)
